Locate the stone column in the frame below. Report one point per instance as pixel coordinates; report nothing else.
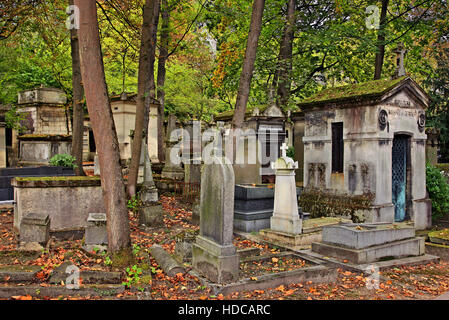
(148, 193)
(192, 165)
(285, 214)
(171, 169)
(214, 254)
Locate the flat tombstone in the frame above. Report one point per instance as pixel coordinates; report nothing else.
(214, 254)
(35, 227)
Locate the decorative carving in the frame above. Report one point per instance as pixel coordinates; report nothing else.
(321, 175)
(383, 119)
(366, 181)
(311, 176)
(421, 122)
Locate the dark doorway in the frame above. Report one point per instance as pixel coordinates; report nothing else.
(400, 176)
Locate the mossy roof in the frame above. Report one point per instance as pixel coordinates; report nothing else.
(356, 92)
(249, 110)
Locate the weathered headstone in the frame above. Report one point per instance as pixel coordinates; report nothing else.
(285, 214)
(151, 215)
(172, 169)
(214, 254)
(35, 227)
(96, 233)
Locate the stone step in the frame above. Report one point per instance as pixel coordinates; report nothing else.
(18, 273)
(56, 291)
(392, 250)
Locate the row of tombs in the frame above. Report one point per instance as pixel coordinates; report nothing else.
(363, 169)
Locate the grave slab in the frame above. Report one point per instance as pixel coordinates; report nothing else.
(392, 250)
(360, 236)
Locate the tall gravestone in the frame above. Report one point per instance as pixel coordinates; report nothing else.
(213, 253)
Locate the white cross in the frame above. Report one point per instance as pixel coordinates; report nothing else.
(284, 149)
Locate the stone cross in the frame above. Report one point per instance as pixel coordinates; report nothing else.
(284, 149)
(400, 56)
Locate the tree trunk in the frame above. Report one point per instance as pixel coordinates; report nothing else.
(381, 41)
(285, 57)
(153, 32)
(78, 95)
(248, 63)
(161, 72)
(98, 105)
(144, 87)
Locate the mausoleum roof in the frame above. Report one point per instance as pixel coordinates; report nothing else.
(353, 93)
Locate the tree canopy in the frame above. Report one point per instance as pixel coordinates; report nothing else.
(333, 44)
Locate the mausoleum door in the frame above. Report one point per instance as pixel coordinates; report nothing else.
(399, 176)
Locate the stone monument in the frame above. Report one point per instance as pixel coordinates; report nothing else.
(148, 192)
(286, 225)
(171, 170)
(213, 253)
(285, 214)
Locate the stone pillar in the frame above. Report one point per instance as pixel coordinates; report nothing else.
(285, 214)
(96, 165)
(2, 145)
(171, 169)
(214, 254)
(148, 193)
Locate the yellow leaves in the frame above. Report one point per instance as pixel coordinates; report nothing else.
(274, 260)
(253, 278)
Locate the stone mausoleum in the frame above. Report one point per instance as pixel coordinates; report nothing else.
(368, 142)
(264, 130)
(47, 130)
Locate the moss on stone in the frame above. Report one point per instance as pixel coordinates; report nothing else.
(123, 258)
(58, 178)
(326, 204)
(353, 91)
(441, 234)
(249, 110)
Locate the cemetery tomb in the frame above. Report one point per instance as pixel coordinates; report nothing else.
(67, 200)
(266, 125)
(47, 132)
(368, 140)
(368, 243)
